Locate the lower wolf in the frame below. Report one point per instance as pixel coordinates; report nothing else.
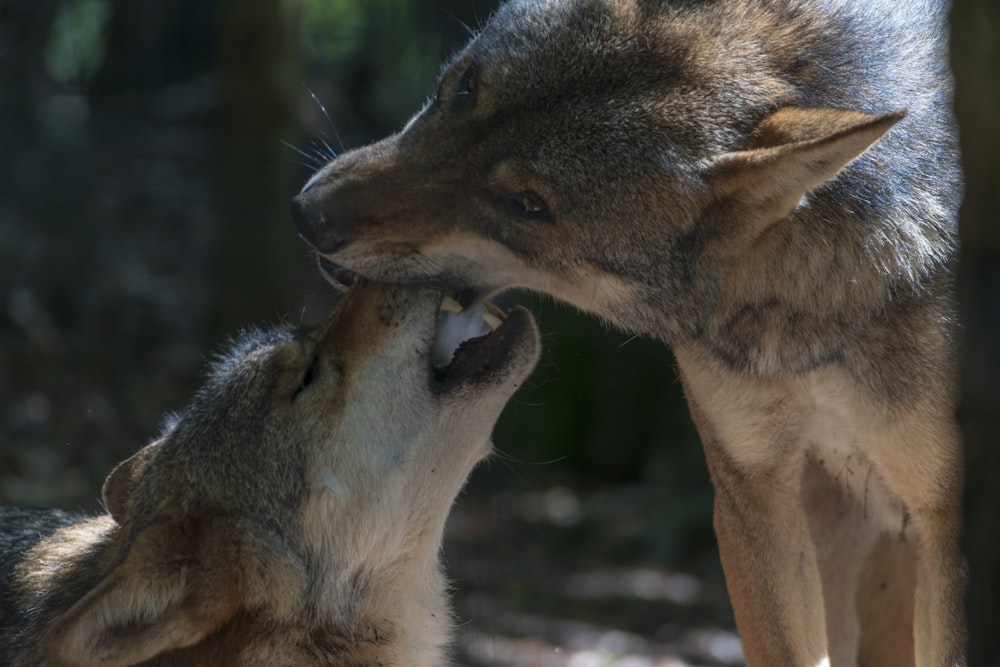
(771, 189)
(292, 515)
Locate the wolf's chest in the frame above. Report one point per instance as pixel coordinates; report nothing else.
(819, 421)
(839, 440)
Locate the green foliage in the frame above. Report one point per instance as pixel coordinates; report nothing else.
(76, 48)
(333, 29)
(382, 56)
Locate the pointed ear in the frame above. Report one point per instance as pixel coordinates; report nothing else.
(791, 152)
(158, 598)
(122, 480)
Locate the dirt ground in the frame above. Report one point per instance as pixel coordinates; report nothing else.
(556, 577)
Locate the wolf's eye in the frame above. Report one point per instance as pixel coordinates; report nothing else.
(468, 85)
(530, 205)
(308, 376)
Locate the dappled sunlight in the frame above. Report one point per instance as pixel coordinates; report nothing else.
(558, 505)
(503, 637)
(555, 577)
(644, 583)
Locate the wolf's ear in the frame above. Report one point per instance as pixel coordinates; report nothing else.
(122, 480)
(158, 598)
(791, 152)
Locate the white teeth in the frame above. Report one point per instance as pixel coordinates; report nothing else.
(495, 310)
(457, 325)
(492, 321)
(453, 330)
(449, 305)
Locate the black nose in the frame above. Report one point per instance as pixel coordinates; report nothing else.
(314, 223)
(302, 221)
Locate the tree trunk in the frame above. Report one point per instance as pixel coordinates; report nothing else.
(975, 55)
(256, 243)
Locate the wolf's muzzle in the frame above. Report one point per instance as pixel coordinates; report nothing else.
(312, 222)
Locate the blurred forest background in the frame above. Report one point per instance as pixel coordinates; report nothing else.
(148, 152)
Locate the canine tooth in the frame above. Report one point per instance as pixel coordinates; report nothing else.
(492, 321)
(448, 304)
(495, 310)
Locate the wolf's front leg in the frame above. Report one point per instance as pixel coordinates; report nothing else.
(919, 456)
(751, 439)
(939, 626)
(768, 559)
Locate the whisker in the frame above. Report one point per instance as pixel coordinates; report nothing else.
(434, 268)
(429, 266)
(513, 459)
(312, 160)
(480, 23)
(509, 467)
(320, 153)
(330, 152)
(468, 29)
(326, 115)
(629, 340)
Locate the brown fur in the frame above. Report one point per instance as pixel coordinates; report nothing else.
(771, 188)
(292, 515)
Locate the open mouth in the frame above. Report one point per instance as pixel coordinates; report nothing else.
(475, 342)
(476, 345)
(335, 273)
(343, 278)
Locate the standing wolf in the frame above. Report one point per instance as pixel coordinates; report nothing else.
(291, 516)
(770, 188)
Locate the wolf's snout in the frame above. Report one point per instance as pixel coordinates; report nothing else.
(314, 222)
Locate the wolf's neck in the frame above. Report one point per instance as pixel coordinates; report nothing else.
(388, 626)
(420, 620)
(380, 584)
(408, 635)
(386, 619)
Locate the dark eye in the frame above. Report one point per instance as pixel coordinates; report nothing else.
(307, 377)
(529, 205)
(465, 92)
(468, 83)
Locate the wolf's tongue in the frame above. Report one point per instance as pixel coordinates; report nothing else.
(457, 326)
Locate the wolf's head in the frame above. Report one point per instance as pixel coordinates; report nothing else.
(307, 484)
(625, 156)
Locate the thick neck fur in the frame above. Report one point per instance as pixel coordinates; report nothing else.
(377, 583)
(354, 610)
(294, 609)
(400, 622)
